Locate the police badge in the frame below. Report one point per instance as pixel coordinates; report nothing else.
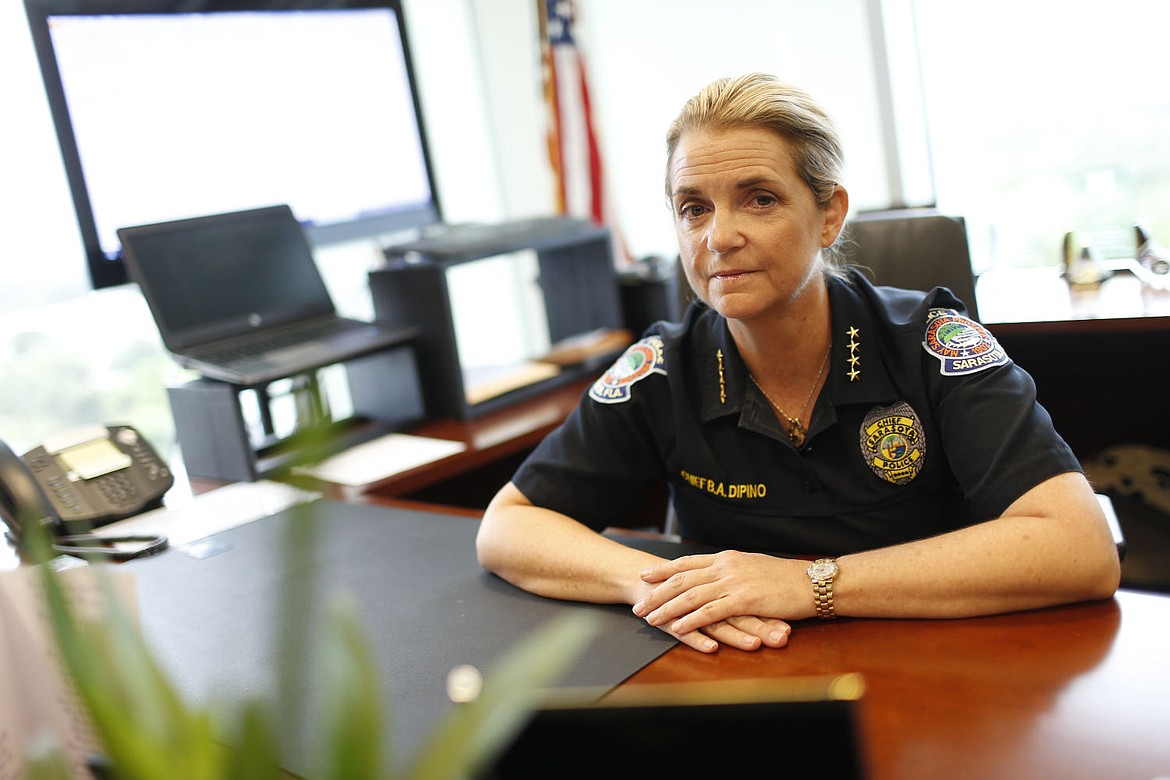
(893, 443)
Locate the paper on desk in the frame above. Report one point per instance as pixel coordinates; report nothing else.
(380, 458)
(209, 513)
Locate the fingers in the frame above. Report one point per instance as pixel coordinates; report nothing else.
(692, 610)
(697, 641)
(675, 579)
(707, 600)
(770, 631)
(743, 632)
(679, 594)
(666, 569)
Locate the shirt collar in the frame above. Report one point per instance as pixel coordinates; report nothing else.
(722, 372)
(856, 371)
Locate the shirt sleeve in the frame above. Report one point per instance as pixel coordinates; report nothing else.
(598, 465)
(998, 438)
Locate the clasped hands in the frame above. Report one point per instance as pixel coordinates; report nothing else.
(733, 598)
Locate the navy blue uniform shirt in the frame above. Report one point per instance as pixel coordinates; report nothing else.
(924, 425)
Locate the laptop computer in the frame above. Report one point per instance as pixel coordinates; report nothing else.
(238, 297)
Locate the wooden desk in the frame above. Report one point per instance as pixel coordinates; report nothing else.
(1040, 300)
(1098, 354)
(1071, 692)
(496, 443)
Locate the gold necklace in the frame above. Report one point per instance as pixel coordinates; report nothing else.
(796, 430)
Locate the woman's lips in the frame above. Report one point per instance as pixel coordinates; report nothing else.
(729, 275)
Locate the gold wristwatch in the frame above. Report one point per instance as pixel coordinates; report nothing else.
(821, 572)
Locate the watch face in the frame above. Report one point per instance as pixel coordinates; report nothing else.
(822, 570)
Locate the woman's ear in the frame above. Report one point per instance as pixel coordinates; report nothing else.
(835, 212)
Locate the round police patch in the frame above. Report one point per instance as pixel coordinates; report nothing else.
(639, 361)
(961, 345)
(893, 442)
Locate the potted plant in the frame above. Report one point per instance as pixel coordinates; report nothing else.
(148, 732)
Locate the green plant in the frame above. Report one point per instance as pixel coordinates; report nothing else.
(148, 732)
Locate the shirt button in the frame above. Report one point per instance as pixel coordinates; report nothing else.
(806, 487)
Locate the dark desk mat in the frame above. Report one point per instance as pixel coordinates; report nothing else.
(425, 603)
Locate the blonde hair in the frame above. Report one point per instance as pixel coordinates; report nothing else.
(760, 100)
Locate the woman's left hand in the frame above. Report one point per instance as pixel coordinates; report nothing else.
(695, 591)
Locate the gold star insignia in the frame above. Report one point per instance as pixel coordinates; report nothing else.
(854, 346)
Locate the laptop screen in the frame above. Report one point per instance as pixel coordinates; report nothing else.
(222, 275)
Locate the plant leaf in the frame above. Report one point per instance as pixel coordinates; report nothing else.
(352, 731)
(143, 724)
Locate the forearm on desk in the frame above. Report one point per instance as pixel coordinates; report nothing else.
(552, 555)
(1051, 547)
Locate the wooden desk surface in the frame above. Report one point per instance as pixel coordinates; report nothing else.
(1088, 348)
(1071, 692)
(496, 436)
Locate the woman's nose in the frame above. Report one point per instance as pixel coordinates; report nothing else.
(723, 232)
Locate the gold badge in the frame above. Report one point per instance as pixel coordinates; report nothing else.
(893, 443)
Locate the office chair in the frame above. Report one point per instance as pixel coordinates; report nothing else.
(918, 249)
(913, 248)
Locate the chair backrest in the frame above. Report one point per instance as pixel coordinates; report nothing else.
(913, 248)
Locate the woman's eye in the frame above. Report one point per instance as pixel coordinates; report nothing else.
(764, 200)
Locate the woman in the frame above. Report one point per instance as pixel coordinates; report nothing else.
(799, 412)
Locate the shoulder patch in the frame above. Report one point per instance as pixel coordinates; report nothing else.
(639, 361)
(961, 345)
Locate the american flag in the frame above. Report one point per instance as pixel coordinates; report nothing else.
(573, 149)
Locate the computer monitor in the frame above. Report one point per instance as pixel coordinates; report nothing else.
(166, 109)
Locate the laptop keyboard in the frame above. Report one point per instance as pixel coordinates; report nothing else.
(291, 335)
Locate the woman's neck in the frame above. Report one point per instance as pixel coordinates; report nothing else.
(786, 345)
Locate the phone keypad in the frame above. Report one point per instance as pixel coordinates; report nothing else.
(117, 488)
(66, 495)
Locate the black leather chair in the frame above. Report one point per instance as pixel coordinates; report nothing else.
(918, 249)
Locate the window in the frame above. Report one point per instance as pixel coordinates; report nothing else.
(70, 357)
(1047, 117)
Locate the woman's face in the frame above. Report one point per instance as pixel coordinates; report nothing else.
(749, 230)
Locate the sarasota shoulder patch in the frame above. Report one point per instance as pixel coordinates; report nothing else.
(893, 442)
(961, 345)
(639, 361)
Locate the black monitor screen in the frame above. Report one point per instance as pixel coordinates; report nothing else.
(167, 109)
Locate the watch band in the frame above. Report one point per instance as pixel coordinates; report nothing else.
(821, 572)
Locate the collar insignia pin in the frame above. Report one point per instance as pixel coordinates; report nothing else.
(854, 372)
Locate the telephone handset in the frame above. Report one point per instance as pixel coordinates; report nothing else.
(86, 477)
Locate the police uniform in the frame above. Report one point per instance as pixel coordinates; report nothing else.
(924, 426)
